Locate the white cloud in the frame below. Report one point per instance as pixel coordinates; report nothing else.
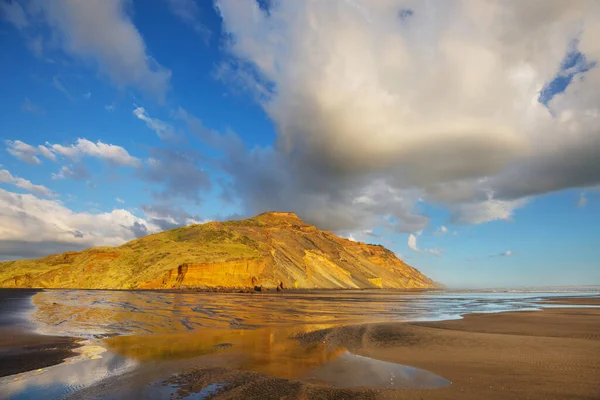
(119, 200)
(77, 172)
(107, 152)
(99, 31)
(87, 95)
(27, 222)
(28, 153)
(162, 129)
(32, 108)
(582, 202)
(189, 13)
(14, 13)
(435, 252)
(351, 237)
(40, 190)
(441, 231)
(412, 243)
(441, 104)
(110, 107)
(506, 253)
(479, 212)
(58, 85)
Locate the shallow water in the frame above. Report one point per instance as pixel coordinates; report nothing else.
(148, 336)
(88, 313)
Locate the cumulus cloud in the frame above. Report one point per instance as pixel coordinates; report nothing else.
(412, 243)
(40, 190)
(441, 103)
(28, 153)
(162, 129)
(97, 31)
(108, 152)
(31, 227)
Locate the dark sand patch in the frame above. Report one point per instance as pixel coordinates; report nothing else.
(23, 351)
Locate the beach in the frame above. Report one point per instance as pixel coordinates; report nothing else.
(553, 353)
(547, 354)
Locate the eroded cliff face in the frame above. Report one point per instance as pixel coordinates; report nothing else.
(270, 250)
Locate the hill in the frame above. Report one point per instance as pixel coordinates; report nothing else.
(272, 249)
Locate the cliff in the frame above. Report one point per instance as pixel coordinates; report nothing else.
(272, 249)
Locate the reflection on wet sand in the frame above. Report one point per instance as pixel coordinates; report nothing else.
(99, 312)
(124, 312)
(275, 352)
(270, 350)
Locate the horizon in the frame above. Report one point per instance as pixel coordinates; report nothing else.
(462, 136)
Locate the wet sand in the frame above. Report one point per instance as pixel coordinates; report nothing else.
(21, 351)
(549, 354)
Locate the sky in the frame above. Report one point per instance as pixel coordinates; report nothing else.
(462, 135)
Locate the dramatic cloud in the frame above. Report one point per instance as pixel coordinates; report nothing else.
(40, 190)
(108, 152)
(28, 153)
(96, 31)
(412, 243)
(162, 129)
(31, 227)
(477, 106)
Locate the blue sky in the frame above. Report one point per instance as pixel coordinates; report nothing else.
(473, 158)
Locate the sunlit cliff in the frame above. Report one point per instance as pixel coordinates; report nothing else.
(274, 249)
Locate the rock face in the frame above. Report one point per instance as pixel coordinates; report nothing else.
(271, 250)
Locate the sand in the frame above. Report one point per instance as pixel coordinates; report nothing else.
(549, 354)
